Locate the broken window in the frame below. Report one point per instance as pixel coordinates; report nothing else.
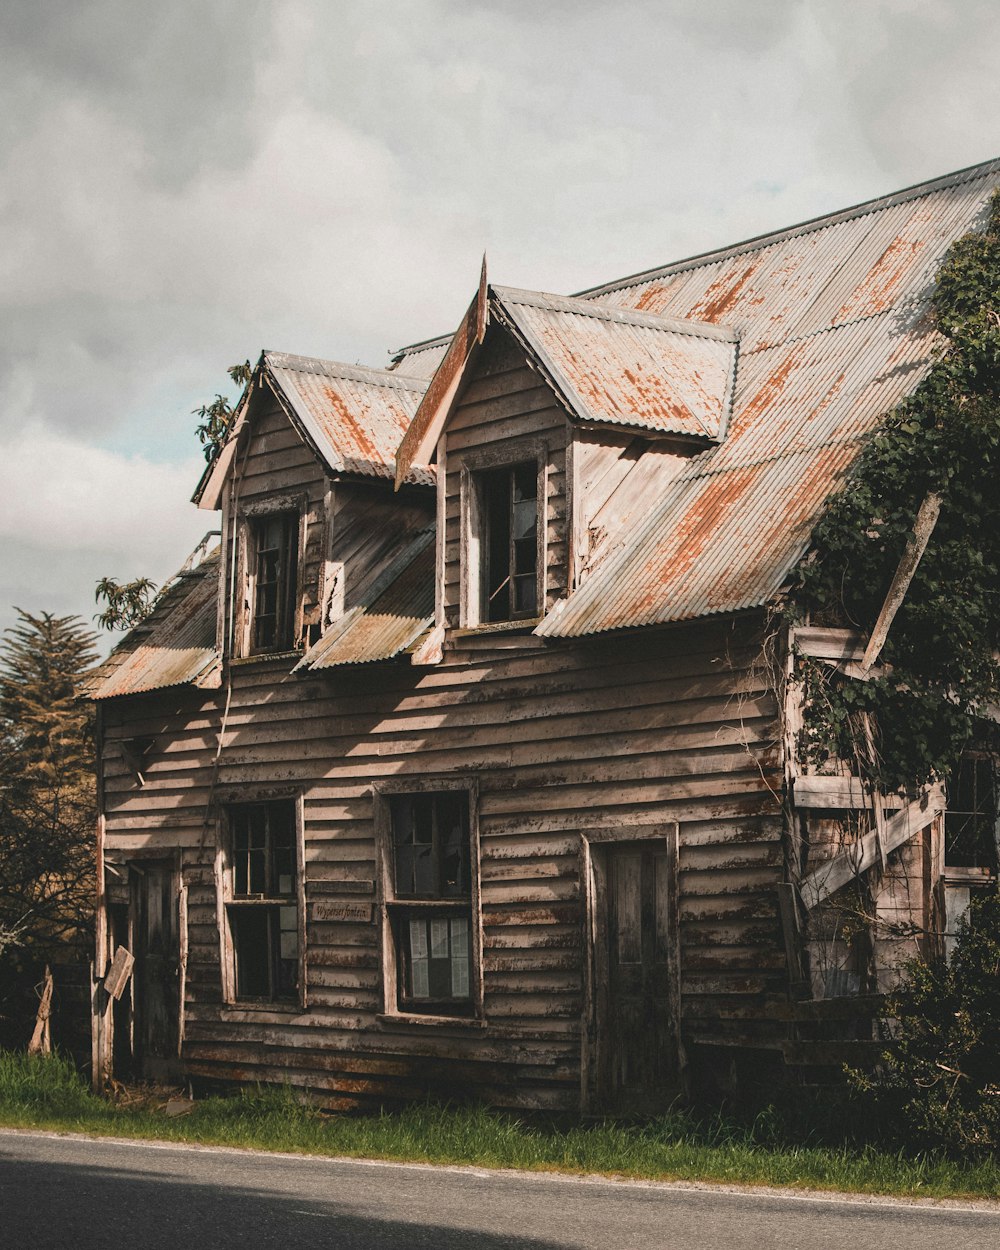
(509, 542)
(263, 908)
(430, 877)
(274, 568)
(971, 816)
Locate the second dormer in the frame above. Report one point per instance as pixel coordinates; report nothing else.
(554, 422)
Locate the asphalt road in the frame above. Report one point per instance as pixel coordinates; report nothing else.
(81, 1194)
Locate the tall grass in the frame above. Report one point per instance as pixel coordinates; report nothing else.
(48, 1093)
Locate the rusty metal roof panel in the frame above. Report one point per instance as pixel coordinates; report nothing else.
(830, 272)
(175, 645)
(623, 367)
(400, 608)
(676, 568)
(959, 196)
(356, 416)
(835, 331)
(421, 359)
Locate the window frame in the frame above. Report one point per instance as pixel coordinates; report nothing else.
(973, 757)
(229, 902)
(474, 542)
(253, 515)
(393, 906)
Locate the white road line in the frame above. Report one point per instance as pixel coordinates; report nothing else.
(944, 1206)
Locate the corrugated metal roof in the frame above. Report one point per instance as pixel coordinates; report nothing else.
(357, 417)
(421, 359)
(173, 646)
(399, 609)
(834, 331)
(622, 367)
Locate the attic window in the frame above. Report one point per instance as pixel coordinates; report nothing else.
(275, 542)
(509, 542)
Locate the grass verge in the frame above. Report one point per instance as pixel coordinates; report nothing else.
(47, 1093)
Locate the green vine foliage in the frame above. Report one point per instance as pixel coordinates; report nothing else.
(940, 661)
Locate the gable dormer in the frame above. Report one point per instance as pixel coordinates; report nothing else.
(550, 418)
(304, 484)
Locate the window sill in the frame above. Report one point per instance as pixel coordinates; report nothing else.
(404, 1019)
(954, 875)
(525, 625)
(264, 657)
(261, 1005)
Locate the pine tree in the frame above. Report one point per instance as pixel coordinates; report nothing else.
(47, 789)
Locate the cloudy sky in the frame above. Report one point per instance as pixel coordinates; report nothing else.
(187, 182)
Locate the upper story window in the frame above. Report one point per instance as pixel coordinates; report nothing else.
(274, 550)
(509, 562)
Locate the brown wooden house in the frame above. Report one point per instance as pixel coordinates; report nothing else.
(464, 758)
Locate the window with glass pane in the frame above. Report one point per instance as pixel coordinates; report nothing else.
(275, 567)
(510, 542)
(263, 911)
(430, 910)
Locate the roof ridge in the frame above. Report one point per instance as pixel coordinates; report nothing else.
(340, 369)
(810, 224)
(967, 174)
(608, 312)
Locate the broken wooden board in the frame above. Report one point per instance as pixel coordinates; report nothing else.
(853, 860)
(119, 972)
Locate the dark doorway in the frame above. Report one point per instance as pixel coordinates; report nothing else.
(635, 1066)
(155, 933)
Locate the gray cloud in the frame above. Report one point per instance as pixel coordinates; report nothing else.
(187, 183)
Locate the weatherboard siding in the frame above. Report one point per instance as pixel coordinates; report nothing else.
(611, 734)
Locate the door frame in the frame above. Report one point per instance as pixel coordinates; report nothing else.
(594, 844)
(138, 859)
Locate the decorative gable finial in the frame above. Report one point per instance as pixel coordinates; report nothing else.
(419, 440)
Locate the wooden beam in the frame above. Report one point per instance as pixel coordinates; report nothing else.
(916, 545)
(853, 860)
(432, 412)
(832, 793)
(828, 644)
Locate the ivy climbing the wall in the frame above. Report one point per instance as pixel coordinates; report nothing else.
(940, 663)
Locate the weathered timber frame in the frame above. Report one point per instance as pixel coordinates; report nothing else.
(229, 797)
(473, 525)
(385, 892)
(593, 876)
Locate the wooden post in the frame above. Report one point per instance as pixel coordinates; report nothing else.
(41, 1038)
(916, 545)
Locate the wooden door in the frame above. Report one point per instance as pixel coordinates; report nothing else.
(637, 1069)
(156, 938)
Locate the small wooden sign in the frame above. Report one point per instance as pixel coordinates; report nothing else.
(119, 972)
(347, 911)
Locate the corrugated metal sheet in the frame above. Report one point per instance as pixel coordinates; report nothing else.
(173, 646)
(627, 368)
(356, 417)
(400, 609)
(422, 359)
(834, 332)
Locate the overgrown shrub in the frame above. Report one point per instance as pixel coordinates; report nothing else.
(939, 1083)
(939, 664)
